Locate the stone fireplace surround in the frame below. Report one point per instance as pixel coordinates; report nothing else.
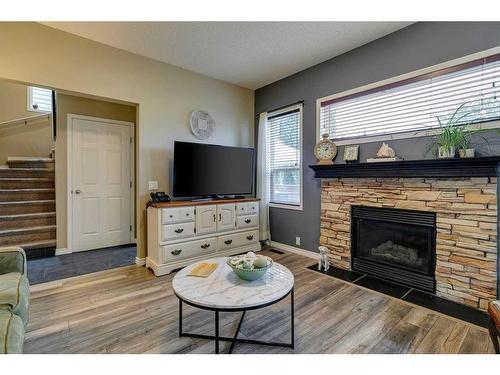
(466, 221)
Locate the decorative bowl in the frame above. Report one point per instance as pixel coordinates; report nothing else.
(250, 274)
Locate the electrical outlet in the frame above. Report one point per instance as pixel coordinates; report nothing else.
(153, 185)
(297, 241)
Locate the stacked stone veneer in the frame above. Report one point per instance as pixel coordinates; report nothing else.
(466, 218)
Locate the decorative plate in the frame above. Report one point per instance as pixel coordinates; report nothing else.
(202, 124)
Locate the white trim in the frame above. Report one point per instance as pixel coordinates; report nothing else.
(69, 171)
(140, 261)
(287, 206)
(293, 249)
(63, 251)
(413, 134)
(401, 77)
(300, 206)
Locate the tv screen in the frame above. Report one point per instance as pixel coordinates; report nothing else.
(202, 170)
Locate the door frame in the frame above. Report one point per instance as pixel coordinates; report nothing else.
(69, 172)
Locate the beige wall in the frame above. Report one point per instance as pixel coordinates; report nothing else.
(34, 139)
(165, 94)
(71, 104)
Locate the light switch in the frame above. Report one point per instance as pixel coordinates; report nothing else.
(153, 185)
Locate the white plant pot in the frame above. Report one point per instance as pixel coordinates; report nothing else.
(470, 153)
(446, 152)
(466, 153)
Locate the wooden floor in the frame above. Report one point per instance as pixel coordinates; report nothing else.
(129, 310)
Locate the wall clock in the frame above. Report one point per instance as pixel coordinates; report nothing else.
(325, 150)
(202, 124)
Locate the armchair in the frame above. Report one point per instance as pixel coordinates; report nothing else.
(14, 299)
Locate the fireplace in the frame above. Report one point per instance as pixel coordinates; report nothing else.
(395, 244)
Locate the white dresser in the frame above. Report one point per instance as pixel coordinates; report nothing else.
(182, 232)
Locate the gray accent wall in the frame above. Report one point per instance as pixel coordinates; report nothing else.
(415, 47)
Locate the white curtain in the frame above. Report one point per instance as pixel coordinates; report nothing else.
(262, 180)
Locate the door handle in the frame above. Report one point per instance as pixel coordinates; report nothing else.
(248, 221)
(176, 252)
(250, 238)
(220, 217)
(78, 191)
(215, 218)
(180, 230)
(228, 242)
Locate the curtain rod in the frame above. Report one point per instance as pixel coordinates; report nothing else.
(283, 106)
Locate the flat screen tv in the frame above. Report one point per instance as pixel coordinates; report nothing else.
(202, 170)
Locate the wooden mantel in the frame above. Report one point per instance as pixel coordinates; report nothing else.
(473, 167)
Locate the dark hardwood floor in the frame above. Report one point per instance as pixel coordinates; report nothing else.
(129, 310)
(52, 268)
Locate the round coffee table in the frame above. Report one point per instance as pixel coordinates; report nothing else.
(223, 291)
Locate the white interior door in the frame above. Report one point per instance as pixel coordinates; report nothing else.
(100, 186)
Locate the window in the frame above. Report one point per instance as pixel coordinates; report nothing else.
(413, 104)
(39, 99)
(284, 157)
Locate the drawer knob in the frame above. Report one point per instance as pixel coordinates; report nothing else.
(176, 252)
(171, 216)
(180, 230)
(206, 246)
(248, 221)
(228, 242)
(250, 238)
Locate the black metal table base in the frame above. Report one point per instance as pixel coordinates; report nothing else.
(217, 338)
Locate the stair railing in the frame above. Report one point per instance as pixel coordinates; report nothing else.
(26, 120)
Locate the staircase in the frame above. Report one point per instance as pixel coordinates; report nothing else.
(27, 205)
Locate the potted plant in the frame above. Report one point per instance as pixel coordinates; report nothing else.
(465, 149)
(453, 135)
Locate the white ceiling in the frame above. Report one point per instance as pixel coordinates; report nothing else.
(248, 54)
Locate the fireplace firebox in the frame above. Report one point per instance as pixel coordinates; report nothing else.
(398, 245)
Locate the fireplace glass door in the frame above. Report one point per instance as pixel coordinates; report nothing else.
(394, 244)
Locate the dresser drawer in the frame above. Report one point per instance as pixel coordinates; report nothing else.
(175, 231)
(177, 215)
(188, 249)
(247, 221)
(253, 208)
(237, 239)
(247, 208)
(241, 209)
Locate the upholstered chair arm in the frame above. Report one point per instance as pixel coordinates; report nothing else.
(12, 259)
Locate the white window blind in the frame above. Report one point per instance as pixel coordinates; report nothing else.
(412, 105)
(284, 156)
(39, 99)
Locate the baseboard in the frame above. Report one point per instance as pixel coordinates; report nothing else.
(140, 261)
(293, 249)
(63, 251)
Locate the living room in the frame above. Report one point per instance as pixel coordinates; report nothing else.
(252, 188)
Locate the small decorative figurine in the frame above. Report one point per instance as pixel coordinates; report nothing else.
(385, 153)
(324, 262)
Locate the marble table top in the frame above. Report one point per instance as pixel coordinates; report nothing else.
(224, 290)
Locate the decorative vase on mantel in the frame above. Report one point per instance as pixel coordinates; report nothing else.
(446, 152)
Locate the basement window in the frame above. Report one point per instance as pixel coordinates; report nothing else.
(410, 107)
(39, 99)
